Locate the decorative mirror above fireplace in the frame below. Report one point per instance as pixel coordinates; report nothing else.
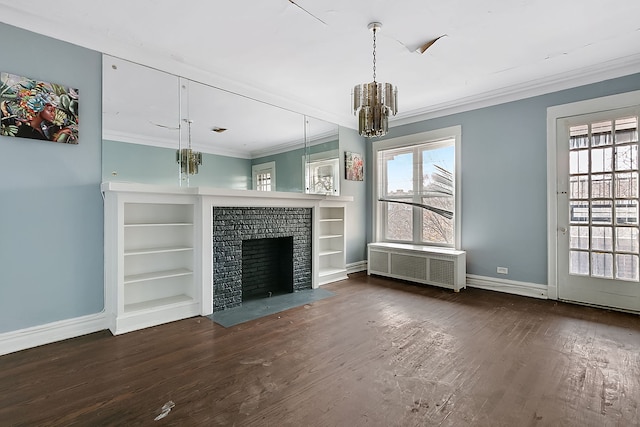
(151, 117)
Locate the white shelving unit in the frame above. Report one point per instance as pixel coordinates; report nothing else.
(150, 258)
(331, 243)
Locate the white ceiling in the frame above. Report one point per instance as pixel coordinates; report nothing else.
(307, 56)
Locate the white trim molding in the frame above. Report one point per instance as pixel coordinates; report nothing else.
(514, 287)
(356, 267)
(51, 332)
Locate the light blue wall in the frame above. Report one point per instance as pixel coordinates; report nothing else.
(355, 224)
(122, 161)
(157, 165)
(51, 245)
(288, 170)
(504, 169)
(223, 172)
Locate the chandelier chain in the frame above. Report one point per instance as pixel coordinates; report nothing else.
(374, 55)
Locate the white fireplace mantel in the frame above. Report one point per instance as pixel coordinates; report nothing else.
(228, 197)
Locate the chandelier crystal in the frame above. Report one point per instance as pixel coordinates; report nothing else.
(374, 102)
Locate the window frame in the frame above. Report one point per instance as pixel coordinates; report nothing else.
(408, 141)
(268, 167)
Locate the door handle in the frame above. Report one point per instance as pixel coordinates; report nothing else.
(563, 230)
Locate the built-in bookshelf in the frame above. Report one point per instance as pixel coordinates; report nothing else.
(331, 243)
(149, 259)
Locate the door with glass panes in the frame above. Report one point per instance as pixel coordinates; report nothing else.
(597, 191)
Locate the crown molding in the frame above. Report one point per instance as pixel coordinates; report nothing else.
(604, 71)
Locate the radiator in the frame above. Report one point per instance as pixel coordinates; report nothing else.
(422, 264)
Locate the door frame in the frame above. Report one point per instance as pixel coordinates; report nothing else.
(554, 113)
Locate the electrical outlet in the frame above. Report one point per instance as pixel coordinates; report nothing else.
(503, 270)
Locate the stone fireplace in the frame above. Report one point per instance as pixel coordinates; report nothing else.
(234, 227)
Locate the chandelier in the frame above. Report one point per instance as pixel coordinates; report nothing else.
(373, 102)
(188, 159)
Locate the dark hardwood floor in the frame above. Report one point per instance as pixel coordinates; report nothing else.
(378, 353)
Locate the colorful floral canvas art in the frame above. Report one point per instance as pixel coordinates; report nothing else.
(38, 110)
(353, 166)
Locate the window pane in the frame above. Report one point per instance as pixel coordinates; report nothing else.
(579, 187)
(601, 212)
(399, 222)
(437, 228)
(399, 167)
(627, 157)
(579, 212)
(602, 265)
(627, 267)
(627, 239)
(578, 137)
(601, 159)
(438, 195)
(579, 237)
(263, 182)
(601, 186)
(579, 263)
(579, 162)
(602, 238)
(627, 130)
(626, 212)
(601, 134)
(627, 185)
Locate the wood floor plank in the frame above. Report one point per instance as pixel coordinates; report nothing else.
(378, 353)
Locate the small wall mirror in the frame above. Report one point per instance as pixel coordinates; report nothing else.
(321, 162)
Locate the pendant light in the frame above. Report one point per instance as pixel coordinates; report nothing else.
(188, 159)
(374, 102)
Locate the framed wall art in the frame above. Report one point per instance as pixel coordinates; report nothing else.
(38, 110)
(353, 166)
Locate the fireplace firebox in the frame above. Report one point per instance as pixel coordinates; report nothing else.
(267, 267)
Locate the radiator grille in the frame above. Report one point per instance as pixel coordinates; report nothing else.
(442, 271)
(444, 267)
(409, 266)
(379, 261)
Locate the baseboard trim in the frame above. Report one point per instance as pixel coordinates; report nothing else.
(356, 267)
(35, 336)
(526, 289)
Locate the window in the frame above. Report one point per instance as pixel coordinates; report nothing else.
(417, 196)
(264, 176)
(322, 176)
(603, 198)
